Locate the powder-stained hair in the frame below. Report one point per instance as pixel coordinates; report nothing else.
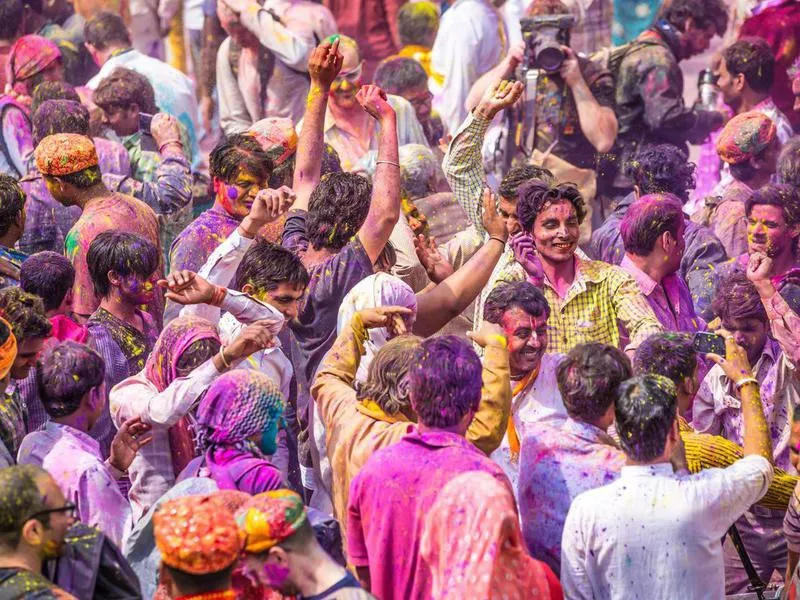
(418, 167)
(521, 294)
(52, 90)
(48, 275)
(59, 116)
(387, 375)
(647, 219)
(337, 209)
(781, 195)
(645, 411)
(12, 201)
(87, 178)
(417, 23)
(25, 312)
(704, 14)
(239, 153)
(265, 266)
(789, 162)
(520, 174)
(589, 377)
(752, 57)
(10, 18)
(106, 29)
(662, 169)
(445, 381)
(123, 88)
(536, 195)
(283, 174)
(64, 375)
(122, 252)
(669, 354)
(736, 298)
(19, 499)
(397, 74)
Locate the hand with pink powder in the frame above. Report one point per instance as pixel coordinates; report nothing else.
(268, 206)
(525, 254)
(373, 100)
(128, 440)
(186, 287)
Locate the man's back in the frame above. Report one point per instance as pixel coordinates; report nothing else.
(389, 498)
(654, 534)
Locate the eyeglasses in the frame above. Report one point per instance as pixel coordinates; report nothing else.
(68, 508)
(421, 100)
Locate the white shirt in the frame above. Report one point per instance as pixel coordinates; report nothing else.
(73, 458)
(540, 401)
(654, 534)
(470, 41)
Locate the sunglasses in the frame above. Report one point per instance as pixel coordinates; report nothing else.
(69, 508)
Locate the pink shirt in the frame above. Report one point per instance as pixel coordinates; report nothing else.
(389, 499)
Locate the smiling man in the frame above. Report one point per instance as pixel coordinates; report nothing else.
(589, 300)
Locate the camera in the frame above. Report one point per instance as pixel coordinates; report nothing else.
(544, 35)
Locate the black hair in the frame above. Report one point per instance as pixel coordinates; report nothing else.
(52, 90)
(106, 29)
(781, 195)
(661, 169)
(64, 375)
(395, 75)
(516, 176)
(25, 313)
(12, 201)
(736, 298)
(10, 18)
(48, 275)
(668, 354)
(536, 194)
(191, 584)
(704, 14)
(265, 266)
(82, 179)
(752, 57)
(59, 116)
(19, 499)
(237, 153)
(522, 294)
(743, 171)
(589, 377)
(123, 88)
(646, 409)
(283, 174)
(337, 209)
(122, 252)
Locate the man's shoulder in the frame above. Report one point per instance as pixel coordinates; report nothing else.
(16, 584)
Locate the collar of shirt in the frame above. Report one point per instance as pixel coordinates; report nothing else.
(586, 271)
(638, 471)
(622, 206)
(646, 283)
(588, 432)
(769, 356)
(437, 439)
(83, 440)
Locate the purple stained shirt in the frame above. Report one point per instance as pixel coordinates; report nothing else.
(556, 464)
(236, 469)
(388, 502)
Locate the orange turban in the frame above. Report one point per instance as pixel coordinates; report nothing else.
(269, 518)
(64, 154)
(8, 349)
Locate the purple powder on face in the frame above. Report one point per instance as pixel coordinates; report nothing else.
(232, 193)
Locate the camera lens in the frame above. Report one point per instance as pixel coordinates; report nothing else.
(549, 57)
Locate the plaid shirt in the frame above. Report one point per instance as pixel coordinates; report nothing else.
(602, 298)
(12, 419)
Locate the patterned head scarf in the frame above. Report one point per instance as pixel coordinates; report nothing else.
(380, 289)
(472, 543)
(277, 136)
(745, 136)
(237, 406)
(162, 365)
(64, 154)
(8, 349)
(30, 54)
(197, 534)
(269, 518)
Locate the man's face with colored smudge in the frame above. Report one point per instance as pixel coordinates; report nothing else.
(52, 527)
(285, 298)
(346, 85)
(420, 98)
(696, 40)
(731, 86)
(527, 340)
(556, 231)
(508, 210)
(27, 354)
(750, 334)
(123, 120)
(272, 569)
(136, 289)
(768, 231)
(237, 197)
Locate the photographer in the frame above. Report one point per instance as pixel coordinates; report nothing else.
(574, 105)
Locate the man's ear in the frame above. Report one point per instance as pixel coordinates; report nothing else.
(33, 533)
(113, 278)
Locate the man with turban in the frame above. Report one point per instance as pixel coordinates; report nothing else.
(282, 553)
(69, 165)
(200, 544)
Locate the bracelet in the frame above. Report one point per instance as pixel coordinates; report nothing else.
(225, 363)
(218, 296)
(167, 143)
(387, 162)
(498, 239)
(499, 338)
(743, 382)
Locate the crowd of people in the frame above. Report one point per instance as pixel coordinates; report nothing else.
(401, 300)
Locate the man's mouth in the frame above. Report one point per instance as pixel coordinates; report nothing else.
(563, 245)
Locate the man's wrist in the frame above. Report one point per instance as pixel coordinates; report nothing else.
(249, 227)
(115, 471)
(484, 112)
(765, 288)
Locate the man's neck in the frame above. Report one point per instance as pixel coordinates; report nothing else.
(560, 274)
(87, 195)
(30, 561)
(650, 265)
(78, 420)
(219, 208)
(457, 429)
(750, 100)
(121, 309)
(316, 572)
(783, 262)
